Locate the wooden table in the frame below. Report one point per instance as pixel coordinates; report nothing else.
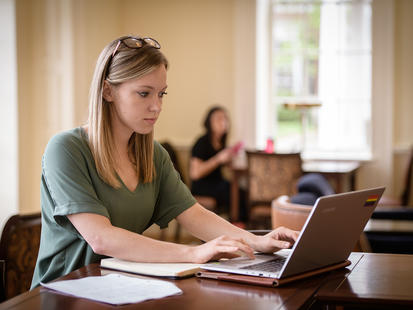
(237, 174)
(389, 226)
(390, 230)
(379, 281)
(335, 171)
(372, 280)
(197, 294)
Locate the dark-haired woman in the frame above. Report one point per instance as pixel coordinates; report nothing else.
(209, 154)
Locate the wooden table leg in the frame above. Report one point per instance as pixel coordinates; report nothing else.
(234, 207)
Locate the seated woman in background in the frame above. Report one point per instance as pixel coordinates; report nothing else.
(209, 154)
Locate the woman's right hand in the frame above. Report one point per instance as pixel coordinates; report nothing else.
(221, 247)
(224, 156)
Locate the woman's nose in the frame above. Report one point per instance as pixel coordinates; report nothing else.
(156, 104)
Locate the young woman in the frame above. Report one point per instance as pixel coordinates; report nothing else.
(104, 183)
(209, 154)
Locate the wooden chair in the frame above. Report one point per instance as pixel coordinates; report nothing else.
(407, 195)
(19, 246)
(269, 176)
(406, 198)
(206, 201)
(392, 212)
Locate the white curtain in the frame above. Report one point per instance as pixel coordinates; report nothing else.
(344, 123)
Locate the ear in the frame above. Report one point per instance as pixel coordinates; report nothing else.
(107, 91)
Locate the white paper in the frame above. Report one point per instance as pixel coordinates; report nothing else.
(115, 289)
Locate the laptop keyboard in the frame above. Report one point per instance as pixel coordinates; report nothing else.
(270, 266)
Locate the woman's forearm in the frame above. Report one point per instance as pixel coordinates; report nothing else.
(206, 225)
(126, 245)
(109, 240)
(199, 168)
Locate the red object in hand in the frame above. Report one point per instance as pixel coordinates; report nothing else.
(237, 147)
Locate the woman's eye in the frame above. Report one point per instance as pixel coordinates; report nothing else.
(161, 94)
(143, 94)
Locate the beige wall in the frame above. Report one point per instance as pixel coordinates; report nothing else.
(210, 45)
(197, 37)
(403, 90)
(32, 118)
(403, 86)
(95, 23)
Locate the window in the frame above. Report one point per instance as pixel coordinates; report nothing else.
(321, 81)
(8, 119)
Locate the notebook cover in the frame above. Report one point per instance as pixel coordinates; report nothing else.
(265, 281)
(175, 270)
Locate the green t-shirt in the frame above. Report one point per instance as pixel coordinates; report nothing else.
(70, 184)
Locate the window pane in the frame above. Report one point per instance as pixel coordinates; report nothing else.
(322, 54)
(295, 47)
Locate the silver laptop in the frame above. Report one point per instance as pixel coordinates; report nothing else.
(328, 236)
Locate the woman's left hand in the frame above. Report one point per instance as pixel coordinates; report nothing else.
(279, 238)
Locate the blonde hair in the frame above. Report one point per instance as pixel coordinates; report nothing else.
(127, 63)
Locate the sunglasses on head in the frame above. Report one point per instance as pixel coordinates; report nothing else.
(136, 42)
